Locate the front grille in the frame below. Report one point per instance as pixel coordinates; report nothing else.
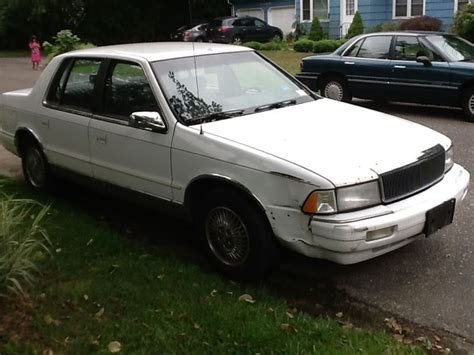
(408, 180)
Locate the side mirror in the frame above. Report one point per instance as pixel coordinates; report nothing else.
(424, 59)
(150, 120)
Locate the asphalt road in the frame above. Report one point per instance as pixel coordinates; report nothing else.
(429, 282)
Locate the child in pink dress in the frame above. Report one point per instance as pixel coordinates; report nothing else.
(35, 52)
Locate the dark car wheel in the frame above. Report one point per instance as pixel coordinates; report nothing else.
(468, 104)
(237, 40)
(335, 88)
(35, 166)
(236, 235)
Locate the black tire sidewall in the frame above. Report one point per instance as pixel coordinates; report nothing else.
(31, 148)
(263, 250)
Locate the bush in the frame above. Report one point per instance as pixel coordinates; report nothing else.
(272, 46)
(22, 242)
(421, 23)
(303, 45)
(254, 45)
(464, 22)
(384, 27)
(327, 45)
(357, 26)
(316, 33)
(64, 42)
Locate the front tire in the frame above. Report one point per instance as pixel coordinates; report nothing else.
(35, 166)
(335, 88)
(468, 104)
(237, 236)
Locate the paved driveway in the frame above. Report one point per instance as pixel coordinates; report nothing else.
(430, 282)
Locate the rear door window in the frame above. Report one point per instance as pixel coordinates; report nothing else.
(74, 86)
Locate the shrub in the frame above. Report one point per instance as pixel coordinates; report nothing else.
(327, 45)
(22, 242)
(384, 27)
(303, 45)
(64, 42)
(357, 26)
(464, 22)
(421, 23)
(272, 46)
(316, 33)
(254, 45)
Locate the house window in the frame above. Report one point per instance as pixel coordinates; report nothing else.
(314, 8)
(350, 7)
(409, 8)
(460, 4)
(306, 6)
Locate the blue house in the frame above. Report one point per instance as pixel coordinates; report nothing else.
(336, 15)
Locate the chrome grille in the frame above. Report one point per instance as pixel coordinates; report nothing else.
(412, 178)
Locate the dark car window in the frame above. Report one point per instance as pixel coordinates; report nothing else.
(127, 91)
(260, 23)
(215, 23)
(75, 85)
(376, 47)
(408, 48)
(354, 50)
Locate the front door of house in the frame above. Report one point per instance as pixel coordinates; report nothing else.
(348, 9)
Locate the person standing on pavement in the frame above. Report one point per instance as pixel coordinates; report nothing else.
(35, 52)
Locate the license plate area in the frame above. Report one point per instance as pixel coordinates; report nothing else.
(439, 217)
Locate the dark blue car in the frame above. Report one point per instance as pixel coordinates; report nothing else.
(420, 67)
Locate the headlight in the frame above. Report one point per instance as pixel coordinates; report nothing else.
(449, 159)
(348, 198)
(358, 196)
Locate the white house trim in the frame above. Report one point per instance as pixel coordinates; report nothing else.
(456, 4)
(346, 20)
(408, 10)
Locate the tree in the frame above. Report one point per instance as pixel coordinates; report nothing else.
(464, 22)
(316, 33)
(357, 26)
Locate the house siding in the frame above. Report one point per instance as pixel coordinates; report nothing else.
(442, 9)
(374, 12)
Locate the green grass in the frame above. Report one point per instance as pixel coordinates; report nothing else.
(288, 60)
(103, 286)
(14, 54)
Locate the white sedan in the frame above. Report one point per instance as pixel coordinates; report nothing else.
(250, 154)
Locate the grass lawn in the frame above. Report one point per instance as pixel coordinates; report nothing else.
(288, 60)
(103, 288)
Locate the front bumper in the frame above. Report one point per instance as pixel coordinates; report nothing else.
(345, 238)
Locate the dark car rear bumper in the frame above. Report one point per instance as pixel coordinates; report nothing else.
(309, 79)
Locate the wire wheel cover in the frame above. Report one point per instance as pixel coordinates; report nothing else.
(227, 236)
(471, 104)
(333, 90)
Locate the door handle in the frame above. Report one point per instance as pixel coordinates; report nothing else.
(400, 67)
(349, 63)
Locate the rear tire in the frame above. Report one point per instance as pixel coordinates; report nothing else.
(35, 166)
(236, 235)
(237, 40)
(468, 104)
(335, 88)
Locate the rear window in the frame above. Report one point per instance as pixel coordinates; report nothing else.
(215, 23)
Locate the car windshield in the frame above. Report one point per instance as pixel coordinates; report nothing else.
(455, 48)
(221, 86)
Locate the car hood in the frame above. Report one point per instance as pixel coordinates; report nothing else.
(344, 143)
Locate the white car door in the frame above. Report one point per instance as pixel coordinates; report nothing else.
(65, 116)
(134, 158)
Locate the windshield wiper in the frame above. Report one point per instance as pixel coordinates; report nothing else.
(275, 105)
(216, 116)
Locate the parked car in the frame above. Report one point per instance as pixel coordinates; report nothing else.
(420, 67)
(237, 30)
(190, 33)
(253, 157)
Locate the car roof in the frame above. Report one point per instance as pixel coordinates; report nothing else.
(414, 33)
(155, 51)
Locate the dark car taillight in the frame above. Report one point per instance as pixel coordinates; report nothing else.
(301, 65)
(224, 29)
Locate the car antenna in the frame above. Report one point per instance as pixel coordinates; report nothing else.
(201, 132)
